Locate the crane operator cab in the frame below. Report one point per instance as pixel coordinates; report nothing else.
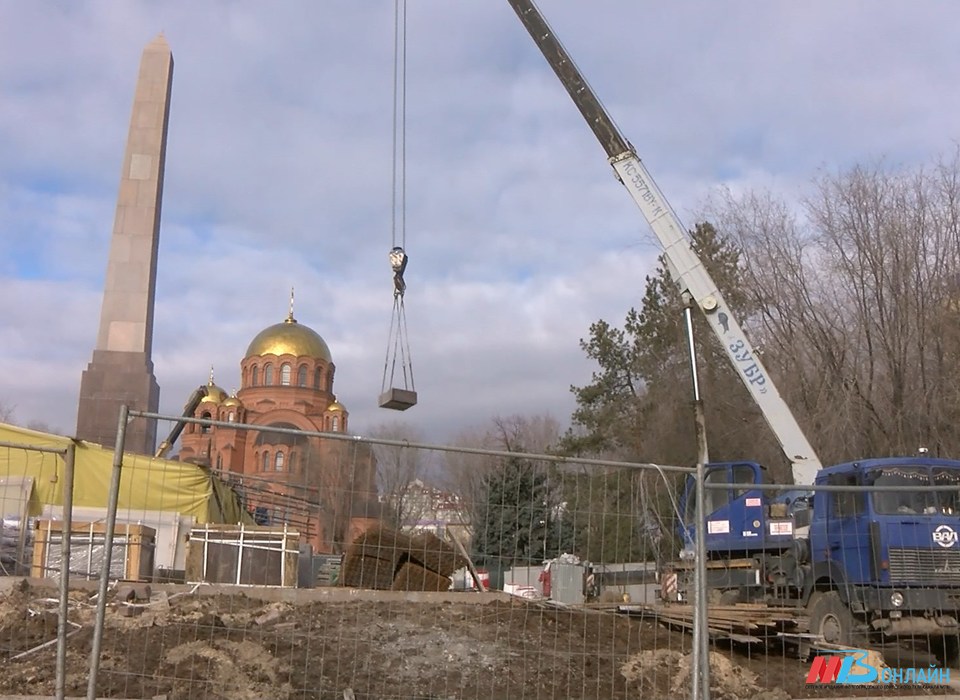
(740, 518)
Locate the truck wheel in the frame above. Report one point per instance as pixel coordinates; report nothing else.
(830, 618)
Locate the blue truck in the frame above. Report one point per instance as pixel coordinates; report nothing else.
(856, 558)
(873, 557)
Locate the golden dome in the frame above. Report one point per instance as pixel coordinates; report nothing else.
(215, 394)
(289, 338)
(232, 401)
(335, 406)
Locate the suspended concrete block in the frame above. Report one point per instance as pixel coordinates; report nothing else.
(398, 399)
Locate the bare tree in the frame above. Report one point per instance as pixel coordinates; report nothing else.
(400, 473)
(536, 434)
(6, 412)
(463, 473)
(859, 305)
(43, 427)
(469, 476)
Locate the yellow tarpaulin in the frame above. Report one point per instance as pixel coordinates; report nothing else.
(146, 483)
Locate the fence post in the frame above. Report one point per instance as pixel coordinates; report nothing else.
(112, 500)
(67, 500)
(700, 668)
(700, 661)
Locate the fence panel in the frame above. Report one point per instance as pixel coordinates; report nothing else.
(367, 568)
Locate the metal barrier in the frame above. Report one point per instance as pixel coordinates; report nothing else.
(558, 562)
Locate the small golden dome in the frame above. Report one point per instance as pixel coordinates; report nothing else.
(289, 338)
(336, 406)
(232, 402)
(215, 394)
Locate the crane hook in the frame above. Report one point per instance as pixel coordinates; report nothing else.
(398, 261)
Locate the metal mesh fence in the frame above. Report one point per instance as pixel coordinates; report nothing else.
(328, 573)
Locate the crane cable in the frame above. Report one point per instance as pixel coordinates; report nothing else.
(399, 214)
(398, 346)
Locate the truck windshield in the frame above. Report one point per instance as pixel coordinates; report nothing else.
(741, 477)
(915, 502)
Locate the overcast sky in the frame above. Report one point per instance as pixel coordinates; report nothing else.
(278, 175)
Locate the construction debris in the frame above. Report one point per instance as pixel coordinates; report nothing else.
(385, 559)
(743, 622)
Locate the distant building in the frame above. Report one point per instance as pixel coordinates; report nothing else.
(324, 488)
(429, 509)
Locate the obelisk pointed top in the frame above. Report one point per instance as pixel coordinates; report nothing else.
(159, 43)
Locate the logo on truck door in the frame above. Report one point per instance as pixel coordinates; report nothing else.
(945, 536)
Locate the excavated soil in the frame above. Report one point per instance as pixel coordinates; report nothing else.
(238, 647)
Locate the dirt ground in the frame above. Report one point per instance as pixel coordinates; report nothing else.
(193, 645)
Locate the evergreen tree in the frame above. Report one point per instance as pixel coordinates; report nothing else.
(638, 405)
(519, 519)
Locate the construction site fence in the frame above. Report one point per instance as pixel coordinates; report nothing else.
(573, 578)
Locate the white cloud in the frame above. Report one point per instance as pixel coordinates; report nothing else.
(279, 174)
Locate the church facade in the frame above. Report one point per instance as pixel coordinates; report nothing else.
(323, 487)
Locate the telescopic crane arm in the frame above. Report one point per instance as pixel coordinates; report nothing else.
(178, 427)
(683, 263)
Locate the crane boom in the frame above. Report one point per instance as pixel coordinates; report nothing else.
(684, 265)
(178, 427)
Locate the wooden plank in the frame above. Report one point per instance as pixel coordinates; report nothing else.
(716, 632)
(737, 622)
(474, 574)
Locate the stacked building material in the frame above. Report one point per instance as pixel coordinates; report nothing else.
(412, 577)
(741, 622)
(385, 559)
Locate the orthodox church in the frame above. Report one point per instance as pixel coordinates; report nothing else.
(325, 488)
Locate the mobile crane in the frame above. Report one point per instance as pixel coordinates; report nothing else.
(859, 558)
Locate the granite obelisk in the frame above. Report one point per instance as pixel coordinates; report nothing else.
(121, 371)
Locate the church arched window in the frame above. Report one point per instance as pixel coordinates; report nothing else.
(266, 460)
(254, 376)
(302, 376)
(335, 424)
(206, 416)
(285, 374)
(268, 375)
(278, 461)
(230, 417)
(316, 378)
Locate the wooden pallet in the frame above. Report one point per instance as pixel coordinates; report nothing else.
(131, 557)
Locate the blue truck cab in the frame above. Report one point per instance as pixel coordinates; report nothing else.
(859, 559)
(891, 555)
